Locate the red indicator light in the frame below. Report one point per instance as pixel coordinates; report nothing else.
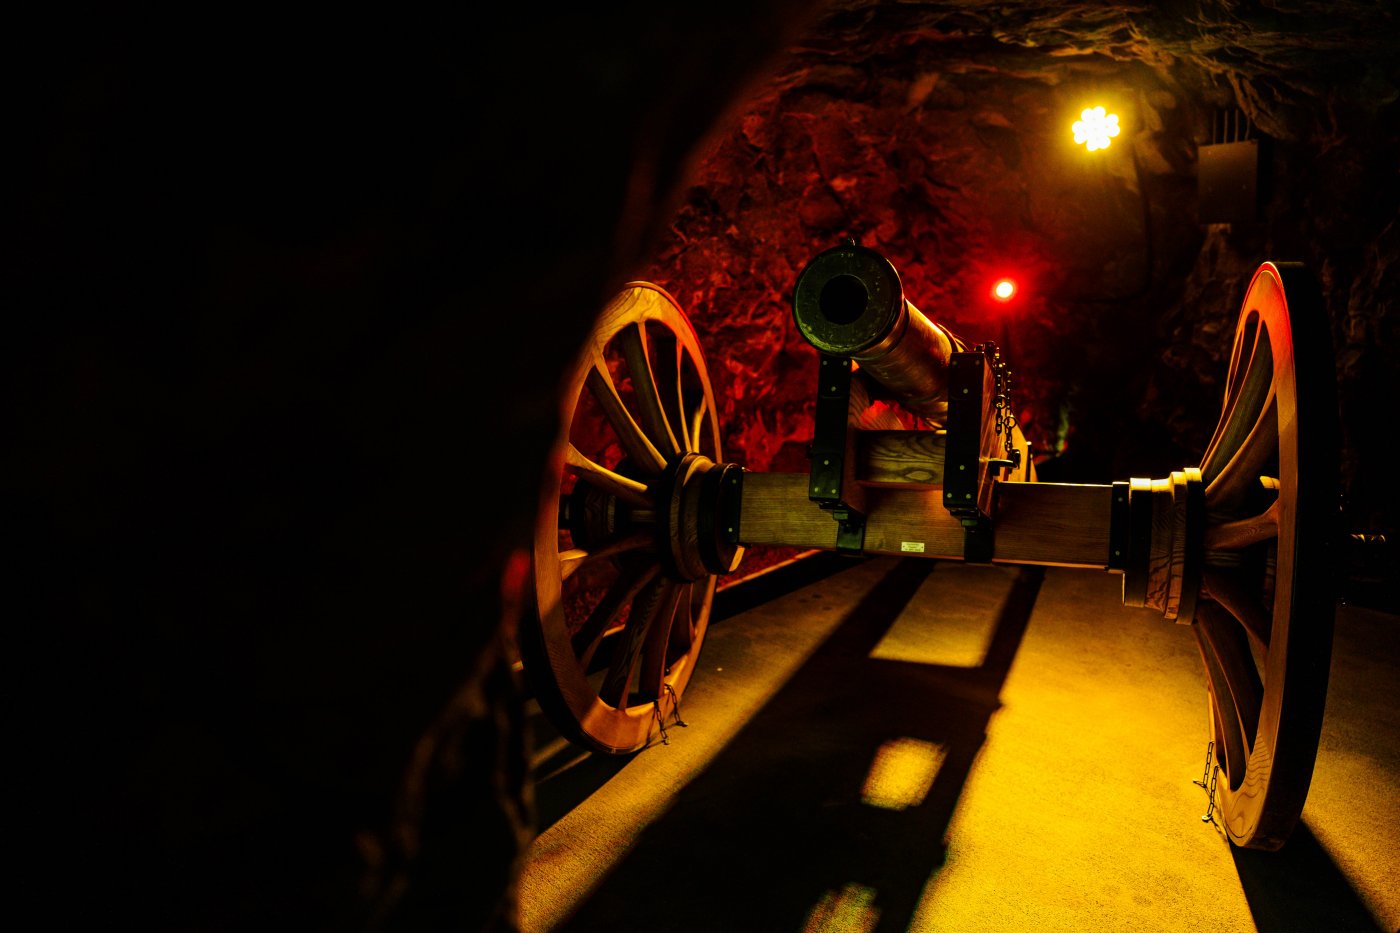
(1004, 290)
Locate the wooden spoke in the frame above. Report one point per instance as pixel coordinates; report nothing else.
(575, 558)
(1248, 342)
(1231, 536)
(683, 628)
(1246, 360)
(654, 626)
(697, 424)
(1231, 745)
(1242, 472)
(628, 490)
(652, 679)
(1226, 589)
(653, 608)
(672, 384)
(623, 591)
(1225, 641)
(634, 440)
(1243, 349)
(642, 367)
(1217, 733)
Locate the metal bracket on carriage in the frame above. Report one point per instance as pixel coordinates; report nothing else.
(971, 463)
(832, 484)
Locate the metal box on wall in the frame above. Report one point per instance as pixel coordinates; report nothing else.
(1227, 182)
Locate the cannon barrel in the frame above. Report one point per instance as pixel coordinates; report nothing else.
(849, 302)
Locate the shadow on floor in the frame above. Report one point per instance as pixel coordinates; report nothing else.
(775, 828)
(780, 581)
(1301, 888)
(566, 775)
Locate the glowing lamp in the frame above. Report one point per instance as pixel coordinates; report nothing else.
(1004, 290)
(1095, 128)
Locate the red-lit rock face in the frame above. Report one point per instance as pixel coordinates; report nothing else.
(956, 194)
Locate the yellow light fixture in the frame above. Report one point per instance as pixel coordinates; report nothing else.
(1095, 128)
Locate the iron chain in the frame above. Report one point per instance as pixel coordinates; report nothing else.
(1005, 411)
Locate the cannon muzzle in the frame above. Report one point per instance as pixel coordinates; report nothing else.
(849, 302)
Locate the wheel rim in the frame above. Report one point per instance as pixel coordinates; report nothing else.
(622, 608)
(1264, 622)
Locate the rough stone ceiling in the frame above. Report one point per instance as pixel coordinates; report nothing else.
(1284, 64)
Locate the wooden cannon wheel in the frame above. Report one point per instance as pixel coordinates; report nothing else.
(1264, 619)
(625, 552)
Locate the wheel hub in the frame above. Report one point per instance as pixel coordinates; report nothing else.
(1166, 551)
(696, 501)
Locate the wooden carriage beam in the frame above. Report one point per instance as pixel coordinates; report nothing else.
(1054, 524)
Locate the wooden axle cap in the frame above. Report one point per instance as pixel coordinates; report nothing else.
(1166, 546)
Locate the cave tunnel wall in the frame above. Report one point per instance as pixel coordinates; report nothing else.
(938, 134)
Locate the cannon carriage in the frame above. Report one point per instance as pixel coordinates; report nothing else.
(916, 453)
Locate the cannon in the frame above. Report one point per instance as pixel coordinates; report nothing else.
(916, 453)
